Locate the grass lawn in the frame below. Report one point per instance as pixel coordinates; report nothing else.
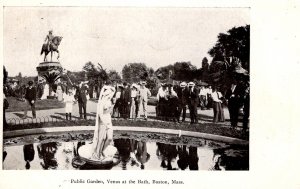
(210, 128)
(16, 105)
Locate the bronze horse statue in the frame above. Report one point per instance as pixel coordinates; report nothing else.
(53, 46)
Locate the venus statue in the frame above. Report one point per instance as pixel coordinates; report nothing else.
(101, 151)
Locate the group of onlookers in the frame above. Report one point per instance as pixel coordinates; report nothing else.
(173, 102)
(131, 100)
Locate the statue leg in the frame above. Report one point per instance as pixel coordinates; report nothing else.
(45, 58)
(51, 55)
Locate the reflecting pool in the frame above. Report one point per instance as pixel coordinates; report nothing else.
(132, 155)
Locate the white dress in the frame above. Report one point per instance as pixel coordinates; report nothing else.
(69, 100)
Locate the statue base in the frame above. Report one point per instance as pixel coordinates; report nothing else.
(85, 160)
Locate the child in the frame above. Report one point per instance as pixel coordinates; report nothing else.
(69, 100)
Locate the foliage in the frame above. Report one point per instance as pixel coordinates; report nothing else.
(180, 71)
(134, 72)
(236, 42)
(75, 77)
(113, 75)
(94, 71)
(165, 73)
(184, 71)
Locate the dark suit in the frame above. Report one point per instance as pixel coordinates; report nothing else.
(30, 95)
(28, 154)
(234, 103)
(125, 100)
(183, 101)
(81, 98)
(193, 101)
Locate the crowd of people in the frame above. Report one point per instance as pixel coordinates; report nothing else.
(130, 101)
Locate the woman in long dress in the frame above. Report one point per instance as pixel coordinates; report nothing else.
(103, 133)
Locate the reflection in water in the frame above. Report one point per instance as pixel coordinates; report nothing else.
(193, 158)
(47, 154)
(141, 153)
(29, 152)
(166, 152)
(183, 161)
(133, 152)
(227, 159)
(131, 155)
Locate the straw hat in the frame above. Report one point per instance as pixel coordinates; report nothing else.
(183, 84)
(191, 84)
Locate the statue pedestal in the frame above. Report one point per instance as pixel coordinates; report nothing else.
(85, 153)
(51, 72)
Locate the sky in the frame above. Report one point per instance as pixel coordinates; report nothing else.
(114, 37)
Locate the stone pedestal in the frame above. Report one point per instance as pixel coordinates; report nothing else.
(51, 72)
(85, 156)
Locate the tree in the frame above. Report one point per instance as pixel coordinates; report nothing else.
(165, 73)
(231, 55)
(113, 75)
(75, 77)
(236, 42)
(134, 72)
(94, 71)
(184, 71)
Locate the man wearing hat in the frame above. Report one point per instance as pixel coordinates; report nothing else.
(161, 98)
(80, 96)
(30, 96)
(125, 97)
(182, 93)
(193, 101)
(144, 94)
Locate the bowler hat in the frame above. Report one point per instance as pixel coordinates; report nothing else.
(30, 82)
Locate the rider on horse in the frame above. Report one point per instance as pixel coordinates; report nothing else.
(48, 39)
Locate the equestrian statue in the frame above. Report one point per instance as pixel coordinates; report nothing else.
(51, 44)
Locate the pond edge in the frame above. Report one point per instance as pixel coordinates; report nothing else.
(18, 133)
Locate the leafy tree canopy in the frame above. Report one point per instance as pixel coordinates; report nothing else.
(236, 42)
(134, 72)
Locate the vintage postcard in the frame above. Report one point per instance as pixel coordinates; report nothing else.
(130, 93)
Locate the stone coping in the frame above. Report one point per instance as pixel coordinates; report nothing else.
(230, 140)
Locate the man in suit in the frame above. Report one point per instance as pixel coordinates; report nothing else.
(126, 100)
(193, 101)
(233, 97)
(182, 94)
(80, 96)
(30, 96)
